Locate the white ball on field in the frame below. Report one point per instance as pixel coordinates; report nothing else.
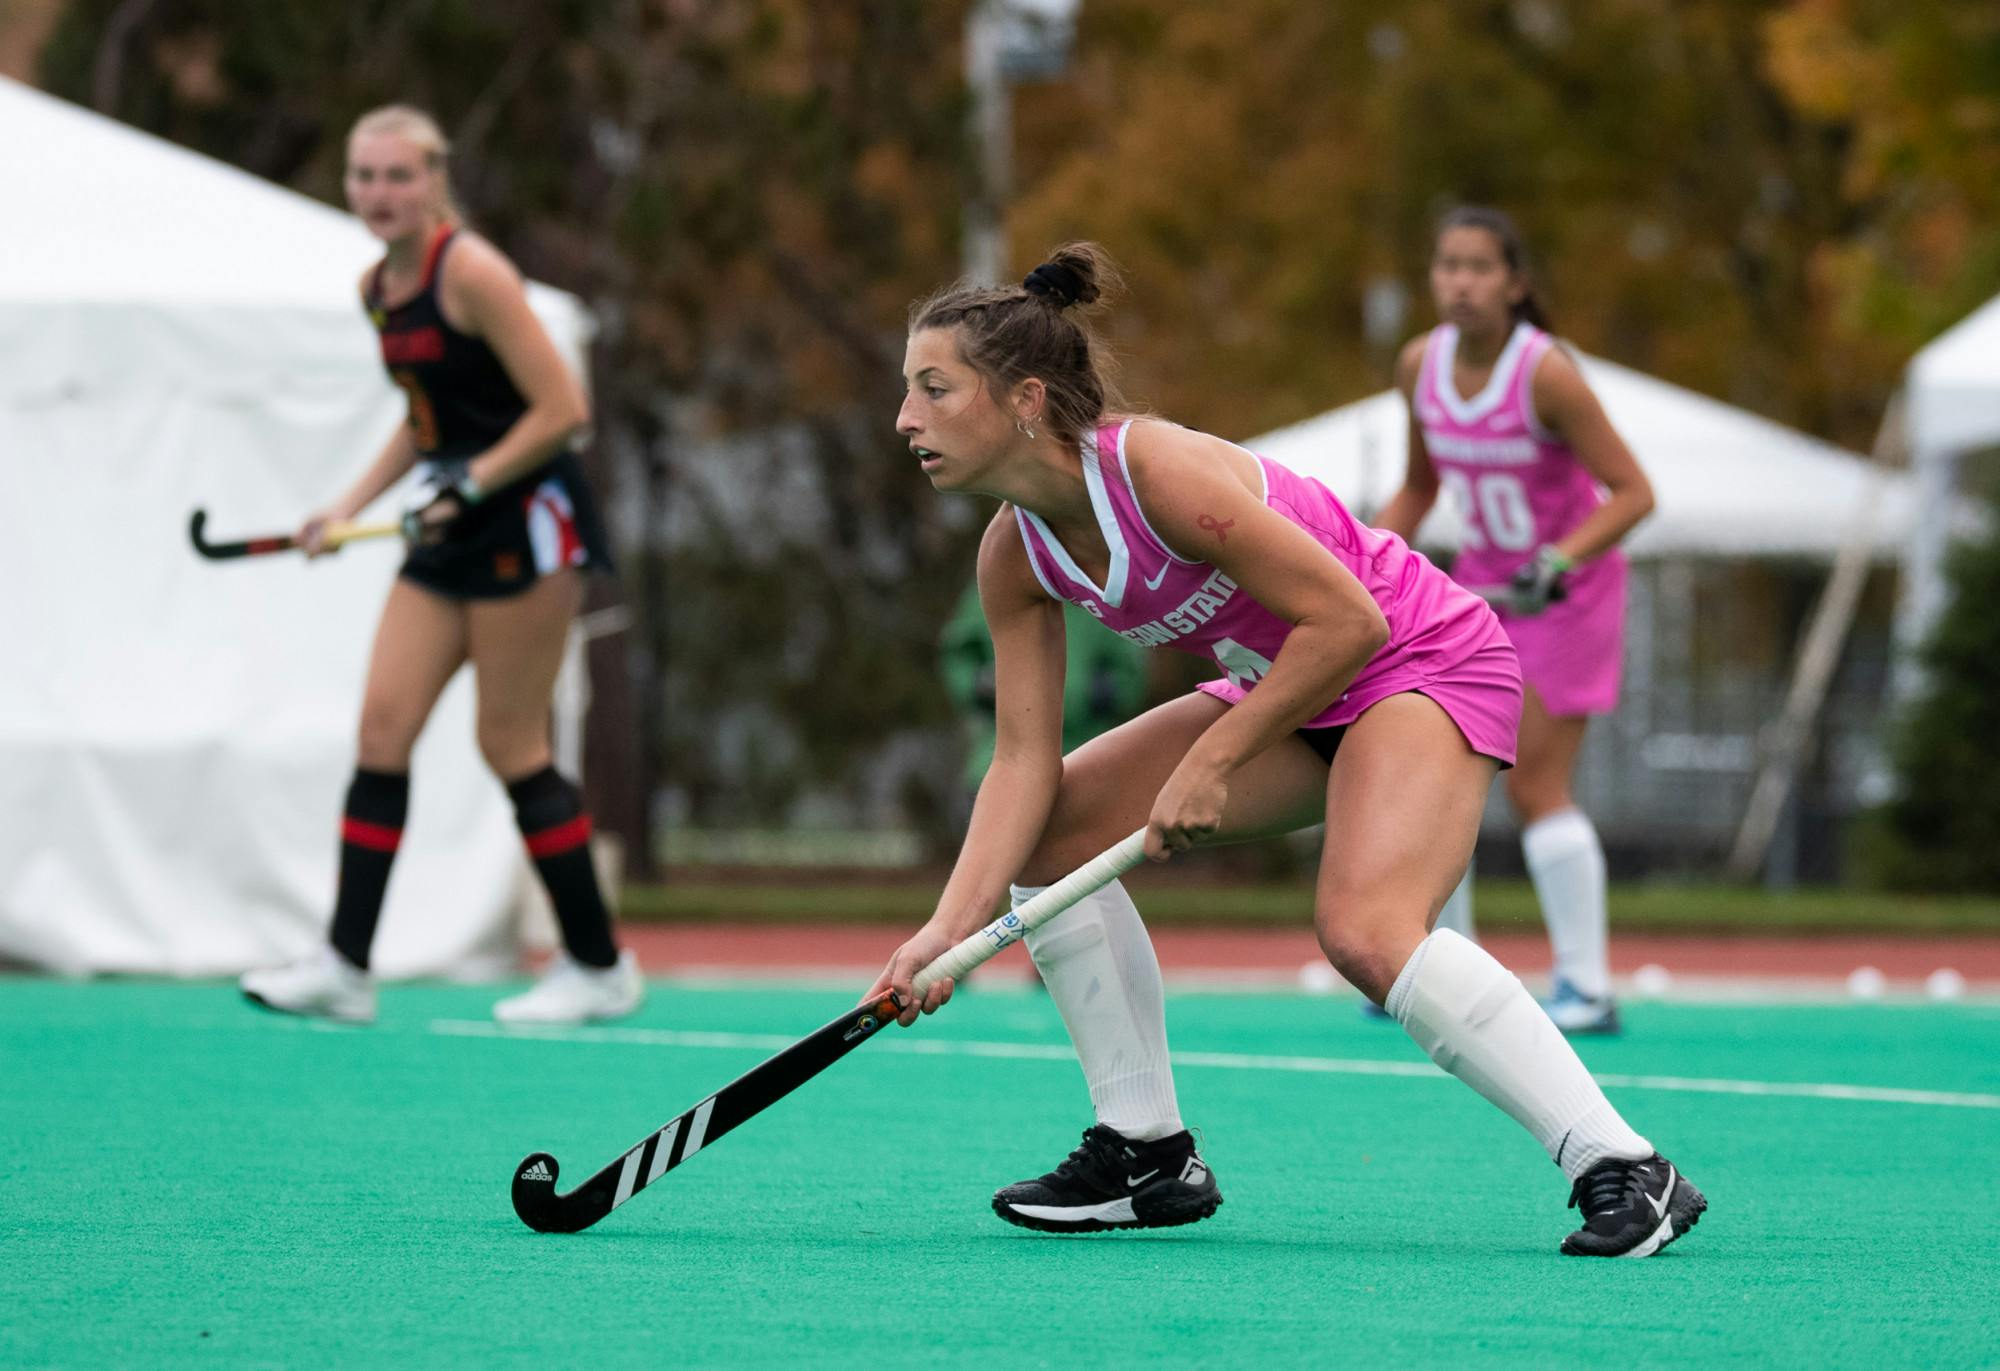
(1318, 978)
(1944, 984)
(1652, 980)
(1866, 983)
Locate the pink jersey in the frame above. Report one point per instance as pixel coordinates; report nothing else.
(1440, 636)
(1518, 486)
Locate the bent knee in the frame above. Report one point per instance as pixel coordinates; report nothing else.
(387, 734)
(1369, 954)
(1046, 864)
(513, 749)
(1532, 795)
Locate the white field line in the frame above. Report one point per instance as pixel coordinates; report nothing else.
(1005, 978)
(1226, 1061)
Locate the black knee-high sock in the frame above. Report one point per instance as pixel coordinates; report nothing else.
(370, 832)
(557, 830)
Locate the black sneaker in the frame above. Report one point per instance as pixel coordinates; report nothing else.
(1631, 1209)
(1113, 1182)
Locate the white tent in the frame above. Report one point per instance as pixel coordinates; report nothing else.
(1954, 386)
(175, 735)
(1952, 393)
(1727, 483)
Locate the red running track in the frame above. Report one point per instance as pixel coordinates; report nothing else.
(860, 951)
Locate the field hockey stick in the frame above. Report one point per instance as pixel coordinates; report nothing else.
(1503, 596)
(336, 535)
(763, 1085)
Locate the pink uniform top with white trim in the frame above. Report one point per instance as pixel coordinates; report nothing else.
(1516, 483)
(1518, 486)
(1440, 635)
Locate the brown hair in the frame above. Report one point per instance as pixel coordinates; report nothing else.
(1501, 226)
(421, 131)
(1010, 333)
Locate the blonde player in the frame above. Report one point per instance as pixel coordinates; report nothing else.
(501, 532)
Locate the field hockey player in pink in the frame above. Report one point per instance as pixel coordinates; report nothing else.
(1358, 687)
(1502, 418)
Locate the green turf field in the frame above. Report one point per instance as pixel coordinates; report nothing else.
(191, 1182)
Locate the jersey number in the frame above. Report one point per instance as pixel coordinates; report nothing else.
(1496, 510)
(1245, 667)
(423, 419)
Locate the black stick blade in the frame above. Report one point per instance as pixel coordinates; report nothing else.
(536, 1201)
(222, 552)
(763, 1085)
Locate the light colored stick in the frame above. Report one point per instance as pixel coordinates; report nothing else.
(338, 535)
(1014, 925)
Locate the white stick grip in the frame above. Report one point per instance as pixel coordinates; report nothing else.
(1014, 925)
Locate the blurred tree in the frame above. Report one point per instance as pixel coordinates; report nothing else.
(1909, 97)
(1772, 201)
(1703, 200)
(748, 194)
(1942, 831)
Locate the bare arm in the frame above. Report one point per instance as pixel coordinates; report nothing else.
(1408, 506)
(483, 295)
(1568, 407)
(1019, 791)
(1198, 495)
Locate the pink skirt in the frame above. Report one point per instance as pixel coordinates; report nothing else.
(1573, 653)
(1480, 691)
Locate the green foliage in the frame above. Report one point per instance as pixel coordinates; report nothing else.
(1942, 831)
(1773, 201)
(748, 195)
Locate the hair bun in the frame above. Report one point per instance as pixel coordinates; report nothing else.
(1055, 282)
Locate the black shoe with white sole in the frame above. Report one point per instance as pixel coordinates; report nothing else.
(1112, 1181)
(1631, 1209)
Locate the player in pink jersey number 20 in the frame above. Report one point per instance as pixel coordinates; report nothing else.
(1364, 689)
(1502, 417)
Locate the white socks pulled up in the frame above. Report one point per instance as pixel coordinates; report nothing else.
(1098, 964)
(1566, 864)
(1474, 1018)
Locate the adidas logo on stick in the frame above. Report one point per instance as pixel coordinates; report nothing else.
(538, 1172)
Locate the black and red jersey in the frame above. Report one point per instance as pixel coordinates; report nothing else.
(461, 398)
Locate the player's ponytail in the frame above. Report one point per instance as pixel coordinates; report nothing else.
(1512, 248)
(1009, 333)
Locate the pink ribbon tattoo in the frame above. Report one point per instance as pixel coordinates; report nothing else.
(1219, 528)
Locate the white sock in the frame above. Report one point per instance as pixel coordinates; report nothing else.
(1566, 863)
(1475, 1020)
(1457, 912)
(1098, 964)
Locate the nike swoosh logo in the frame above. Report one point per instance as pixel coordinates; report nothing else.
(1153, 582)
(1134, 1182)
(1660, 1205)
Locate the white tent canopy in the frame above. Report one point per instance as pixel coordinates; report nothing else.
(1954, 387)
(175, 735)
(1952, 396)
(1727, 483)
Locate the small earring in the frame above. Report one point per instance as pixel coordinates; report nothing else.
(1022, 424)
